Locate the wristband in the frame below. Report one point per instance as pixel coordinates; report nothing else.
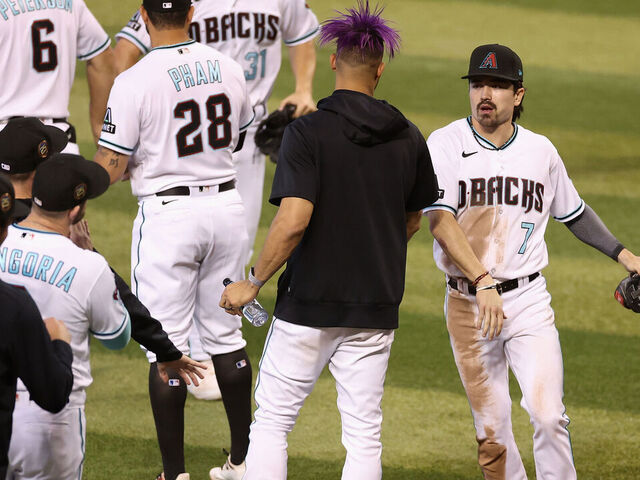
(487, 287)
(254, 280)
(478, 278)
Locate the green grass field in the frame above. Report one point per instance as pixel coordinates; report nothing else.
(582, 71)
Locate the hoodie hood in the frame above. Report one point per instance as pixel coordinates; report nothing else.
(368, 121)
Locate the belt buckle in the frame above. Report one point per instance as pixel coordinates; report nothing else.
(499, 288)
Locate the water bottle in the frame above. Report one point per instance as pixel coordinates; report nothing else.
(252, 311)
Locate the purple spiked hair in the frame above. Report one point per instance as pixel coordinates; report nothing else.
(361, 28)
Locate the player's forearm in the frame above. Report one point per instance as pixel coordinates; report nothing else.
(449, 235)
(284, 235)
(113, 162)
(303, 64)
(413, 223)
(126, 54)
(100, 75)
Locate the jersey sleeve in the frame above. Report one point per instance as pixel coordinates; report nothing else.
(425, 188)
(247, 115)
(567, 203)
(121, 126)
(109, 320)
(92, 39)
(298, 23)
(445, 169)
(136, 33)
(296, 174)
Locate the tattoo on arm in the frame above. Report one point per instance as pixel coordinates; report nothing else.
(114, 159)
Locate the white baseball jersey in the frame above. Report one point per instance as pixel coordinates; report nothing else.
(501, 197)
(248, 31)
(70, 284)
(178, 113)
(40, 41)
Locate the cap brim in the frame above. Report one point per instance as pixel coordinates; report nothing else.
(57, 137)
(97, 177)
(20, 210)
(491, 75)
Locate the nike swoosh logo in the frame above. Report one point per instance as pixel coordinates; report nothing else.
(465, 154)
(164, 202)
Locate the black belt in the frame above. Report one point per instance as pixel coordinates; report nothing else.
(500, 287)
(55, 120)
(186, 191)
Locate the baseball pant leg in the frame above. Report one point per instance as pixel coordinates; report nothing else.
(536, 360)
(359, 366)
(483, 370)
(291, 363)
(47, 446)
(250, 167)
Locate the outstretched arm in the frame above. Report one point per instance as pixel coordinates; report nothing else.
(303, 63)
(100, 75)
(445, 229)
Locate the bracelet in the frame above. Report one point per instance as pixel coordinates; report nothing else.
(254, 280)
(487, 287)
(478, 278)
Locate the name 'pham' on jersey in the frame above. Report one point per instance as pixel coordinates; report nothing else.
(235, 25)
(7, 6)
(33, 266)
(203, 76)
(500, 190)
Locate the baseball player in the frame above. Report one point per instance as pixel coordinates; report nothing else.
(40, 42)
(176, 135)
(335, 307)
(69, 283)
(499, 184)
(37, 352)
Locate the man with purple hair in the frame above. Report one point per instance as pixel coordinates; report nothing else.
(350, 183)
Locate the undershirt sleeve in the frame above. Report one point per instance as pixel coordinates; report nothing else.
(591, 230)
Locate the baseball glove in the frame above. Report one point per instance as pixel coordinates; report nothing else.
(271, 129)
(628, 292)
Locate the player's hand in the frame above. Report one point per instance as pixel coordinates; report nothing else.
(490, 314)
(629, 261)
(302, 100)
(80, 235)
(237, 295)
(57, 330)
(186, 367)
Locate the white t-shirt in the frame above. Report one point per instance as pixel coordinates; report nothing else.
(40, 41)
(501, 197)
(70, 284)
(178, 112)
(250, 32)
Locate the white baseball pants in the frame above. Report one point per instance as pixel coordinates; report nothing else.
(530, 346)
(183, 247)
(46, 446)
(293, 358)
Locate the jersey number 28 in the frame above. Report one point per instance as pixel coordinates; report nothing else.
(45, 54)
(219, 131)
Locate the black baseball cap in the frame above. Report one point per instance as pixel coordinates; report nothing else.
(495, 60)
(67, 180)
(166, 5)
(26, 142)
(9, 208)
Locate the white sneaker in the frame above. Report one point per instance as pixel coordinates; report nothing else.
(228, 471)
(208, 388)
(183, 476)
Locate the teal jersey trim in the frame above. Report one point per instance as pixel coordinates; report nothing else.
(438, 206)
(34, 230)
(135, 41)
(304, 37)
(119, 342)
(91, 53)
(81, 443)
(166, 47)
(487, 143)
(560, 219)
(135, 277)
(244, 127)
(102, 140)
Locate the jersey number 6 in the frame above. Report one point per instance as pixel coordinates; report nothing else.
(219, 131)
(45, 54)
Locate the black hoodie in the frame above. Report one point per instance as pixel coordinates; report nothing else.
(363, 165)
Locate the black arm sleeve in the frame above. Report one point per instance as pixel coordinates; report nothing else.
(145, 329)
(591, 230)
(43, 366)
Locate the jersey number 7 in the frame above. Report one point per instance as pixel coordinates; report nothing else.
(219, 131)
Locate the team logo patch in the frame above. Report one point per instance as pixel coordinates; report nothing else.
(43, 149)
(182, 51)
(241, 364)
(174, 382)
(80, 191)
(167, 5)
(108, 126)
(5, 202)
(490, 61)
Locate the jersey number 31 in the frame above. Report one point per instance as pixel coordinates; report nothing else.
(219, 131)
